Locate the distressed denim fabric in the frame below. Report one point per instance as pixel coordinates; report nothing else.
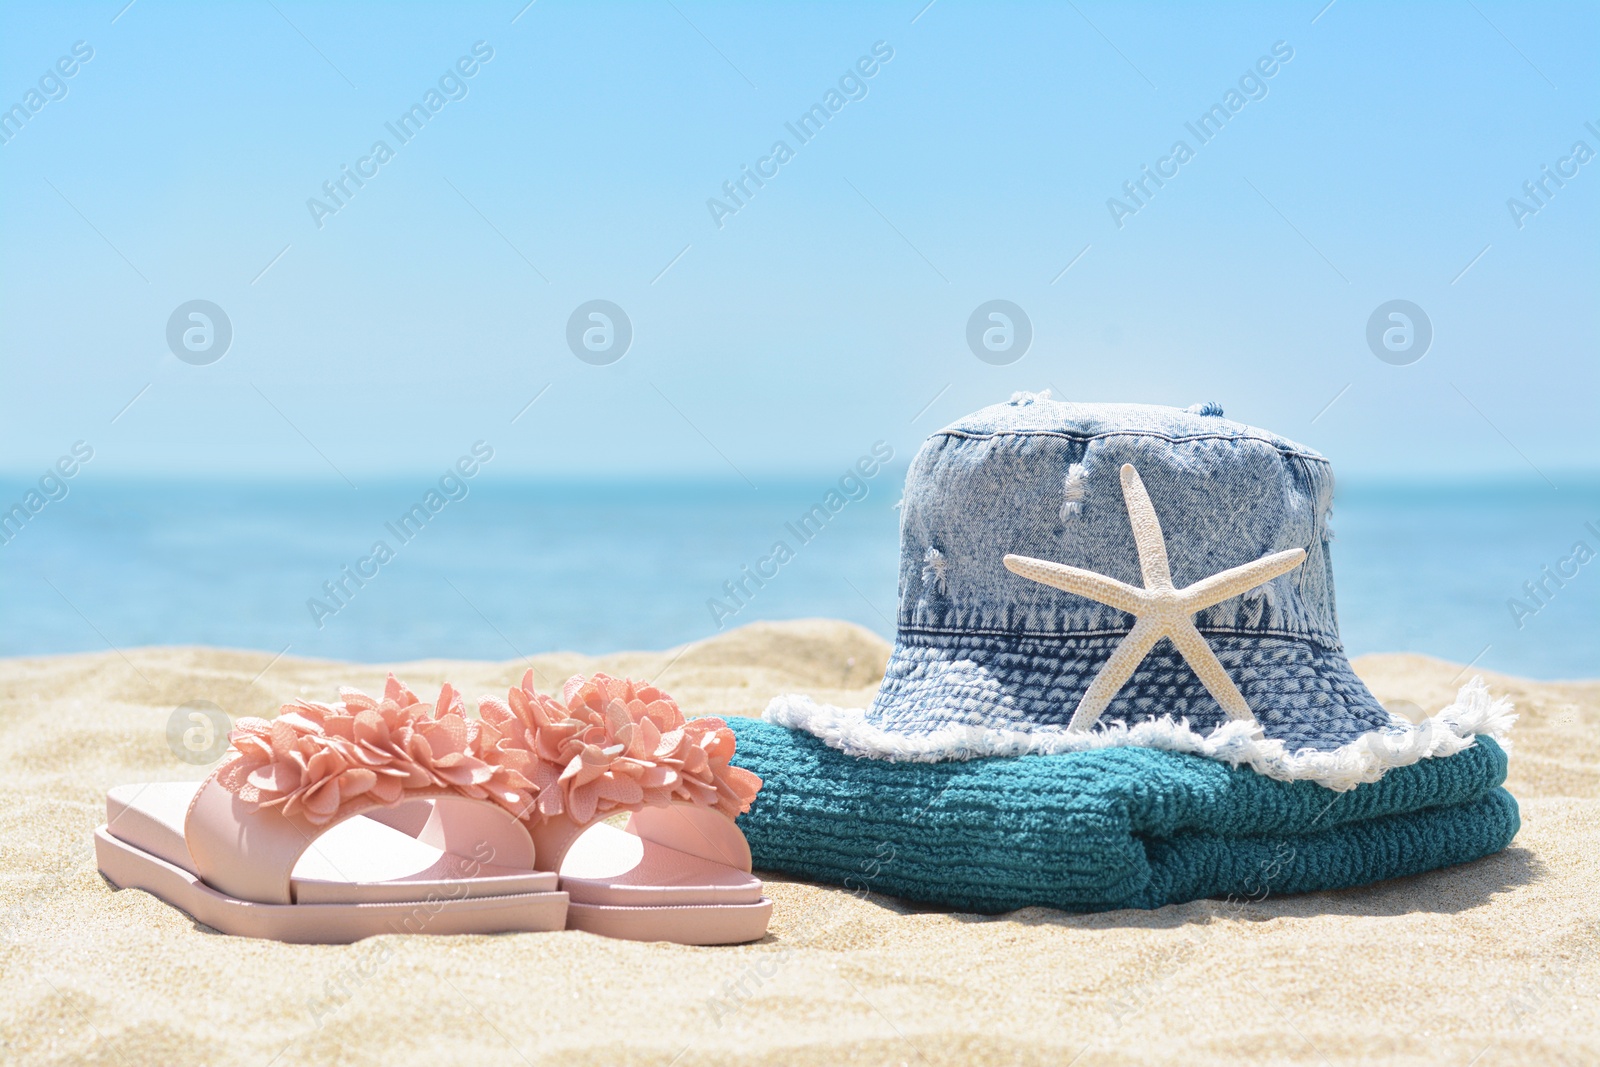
(982, 646)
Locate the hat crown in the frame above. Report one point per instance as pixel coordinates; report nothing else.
(1040, 477)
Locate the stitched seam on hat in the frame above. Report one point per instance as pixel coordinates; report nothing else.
(989, 435)
(1061, 635)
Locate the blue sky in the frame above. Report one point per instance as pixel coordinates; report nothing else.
(975, 163)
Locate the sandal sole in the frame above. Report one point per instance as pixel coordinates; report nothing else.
(128, 867)
(682, 924)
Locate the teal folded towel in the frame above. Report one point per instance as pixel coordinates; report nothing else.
(1106, 829)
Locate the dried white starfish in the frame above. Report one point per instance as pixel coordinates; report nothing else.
(1158, 609)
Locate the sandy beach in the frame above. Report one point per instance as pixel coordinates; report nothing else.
(1495, 962)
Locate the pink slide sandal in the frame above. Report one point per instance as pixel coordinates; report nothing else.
(336, 822)
(680, 870)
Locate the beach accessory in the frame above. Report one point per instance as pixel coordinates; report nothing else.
(1158, 609)
(334, 822)
(990, 660)
(1130, 609)
(680, 869)
(1119, 827)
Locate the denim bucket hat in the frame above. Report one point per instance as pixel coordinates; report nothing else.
(1077, 576)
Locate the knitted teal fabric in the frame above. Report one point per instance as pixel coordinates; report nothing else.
(1106, 829)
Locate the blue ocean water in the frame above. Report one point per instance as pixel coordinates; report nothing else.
(511, 569)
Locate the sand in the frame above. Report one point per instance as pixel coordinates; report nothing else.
(1494, 962)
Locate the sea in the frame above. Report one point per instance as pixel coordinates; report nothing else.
(1503, 576)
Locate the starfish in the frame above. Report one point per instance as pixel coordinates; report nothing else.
(1159, 610)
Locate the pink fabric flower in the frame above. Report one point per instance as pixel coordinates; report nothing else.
(320, 761)
(615, 746)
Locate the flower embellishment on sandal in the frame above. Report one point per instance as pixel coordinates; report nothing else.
(614, 745)
(318, 760)
(618, 744)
